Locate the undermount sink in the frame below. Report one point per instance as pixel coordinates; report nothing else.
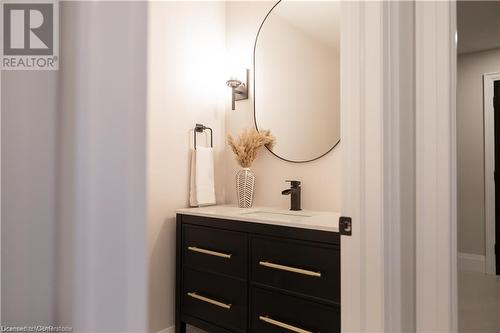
(276, 215)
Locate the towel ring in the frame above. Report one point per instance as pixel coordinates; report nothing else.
(199, 128)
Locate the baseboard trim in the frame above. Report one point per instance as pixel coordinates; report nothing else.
(170, 329)
(471, 262)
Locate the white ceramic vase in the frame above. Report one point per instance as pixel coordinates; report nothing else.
(245, 185)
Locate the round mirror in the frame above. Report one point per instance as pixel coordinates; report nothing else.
(297, 78)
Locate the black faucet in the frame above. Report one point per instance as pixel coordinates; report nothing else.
(294, 192)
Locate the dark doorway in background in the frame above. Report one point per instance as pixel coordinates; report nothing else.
(496, 106)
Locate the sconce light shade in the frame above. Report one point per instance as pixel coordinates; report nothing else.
(239, 90)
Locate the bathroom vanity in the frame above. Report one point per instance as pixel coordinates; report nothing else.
(257, 270)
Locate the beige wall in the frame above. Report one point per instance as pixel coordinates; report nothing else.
(470, 154)
(320, 178)
(186, 85)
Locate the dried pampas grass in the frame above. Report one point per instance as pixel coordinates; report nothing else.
(248, 144)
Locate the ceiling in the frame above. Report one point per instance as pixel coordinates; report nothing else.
(478, 25)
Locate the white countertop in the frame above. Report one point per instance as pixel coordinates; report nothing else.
(326, 221)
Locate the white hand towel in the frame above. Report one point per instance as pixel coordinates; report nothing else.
(202, 191)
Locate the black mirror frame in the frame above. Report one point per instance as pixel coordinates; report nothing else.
(254, 98)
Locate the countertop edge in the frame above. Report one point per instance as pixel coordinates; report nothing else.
(193, 212)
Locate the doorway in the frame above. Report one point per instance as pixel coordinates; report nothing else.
(491, 103)
(440, 124)
(478, 154)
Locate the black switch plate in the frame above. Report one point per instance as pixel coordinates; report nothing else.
(345, 225)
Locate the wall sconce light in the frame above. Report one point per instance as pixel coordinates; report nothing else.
(239, 89)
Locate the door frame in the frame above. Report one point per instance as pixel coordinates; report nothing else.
(371, 257)
(436, 177)
(368, 119)
(489, 168)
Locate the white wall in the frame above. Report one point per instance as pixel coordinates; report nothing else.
(470, 153)
(186, 85)
(29, 112)
(320, 178)
(102, 216)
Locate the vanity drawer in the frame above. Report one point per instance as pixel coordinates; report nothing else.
(216, 299)
(215, 250)
(276, 313)
(302, 267)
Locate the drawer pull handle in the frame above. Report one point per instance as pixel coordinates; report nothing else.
(212, 253)
(209, 300)
(283, 325)
(290, 269)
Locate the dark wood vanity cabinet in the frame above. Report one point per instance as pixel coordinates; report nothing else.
(235, 276)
